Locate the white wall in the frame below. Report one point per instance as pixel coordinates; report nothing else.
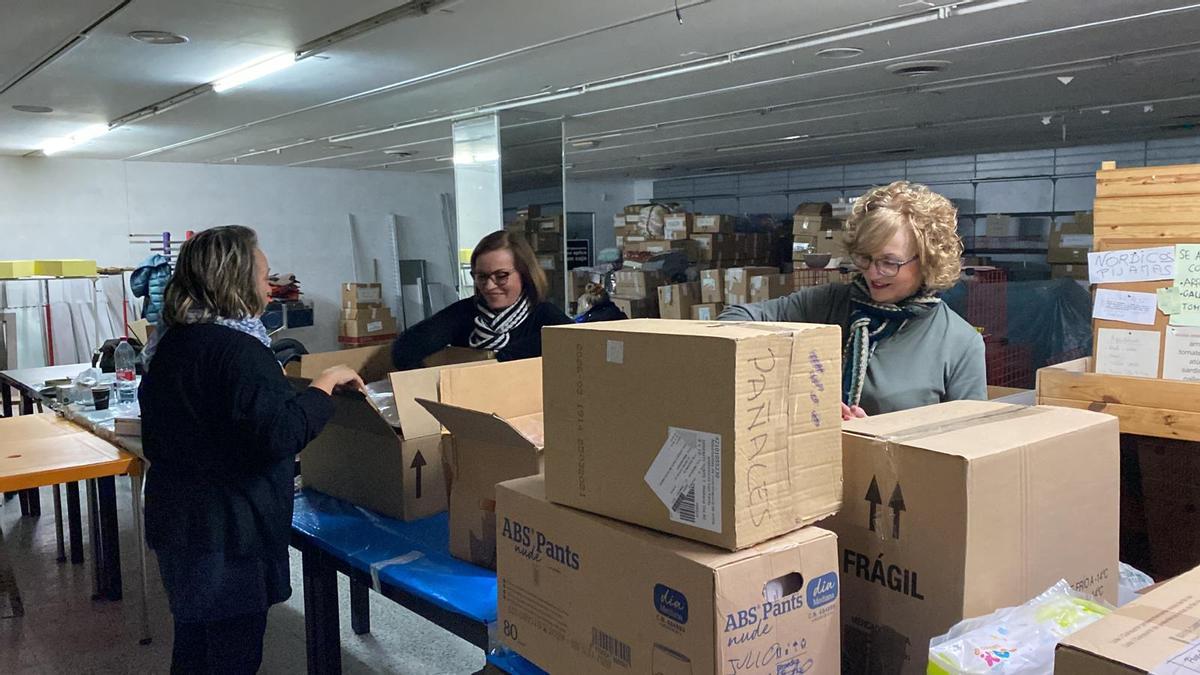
(68, 208)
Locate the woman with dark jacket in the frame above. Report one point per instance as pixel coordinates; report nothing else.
(506, 314)
(221, 427)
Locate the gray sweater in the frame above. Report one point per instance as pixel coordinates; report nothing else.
(936, 358)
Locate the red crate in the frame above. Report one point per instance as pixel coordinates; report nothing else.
(987, 301)
(1008, 365)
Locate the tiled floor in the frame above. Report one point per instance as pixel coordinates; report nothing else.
(63, 630)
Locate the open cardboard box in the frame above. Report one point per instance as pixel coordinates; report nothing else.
(494, 415)
(382, 452)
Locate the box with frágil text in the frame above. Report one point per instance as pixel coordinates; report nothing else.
(958, 509)
(582, 594)
(726, 433)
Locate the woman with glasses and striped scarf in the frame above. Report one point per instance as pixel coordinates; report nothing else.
(505, 316)
(903, 347)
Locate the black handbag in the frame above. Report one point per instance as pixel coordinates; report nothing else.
(104, 358)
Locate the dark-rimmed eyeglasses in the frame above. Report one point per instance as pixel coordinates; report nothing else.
(888, 267)
(499, 277)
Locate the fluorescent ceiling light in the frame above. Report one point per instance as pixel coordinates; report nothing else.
(57, 145)
(960, 10)
(254, 71)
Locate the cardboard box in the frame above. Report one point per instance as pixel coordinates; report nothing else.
(637, 283)
(638, 308)
(831, 242)
(958, 509)
(64, 268)
(583, 594)
(678, 226)
(455, 355)
(1002, 226)
(755, 430)
(675, 301)
(717, 248)
(1074, 271)
(546, 242)
(494, 415)
(373, 313)
(1156, 632)
(708, 311)
(385, 454)
(371, 363)
(713, 225)
(690, 248)
(551, 224)
(1070, 241)
(769, 287)
(712, 286)
(15, 269)
(361, 295)
(738, 282)
(366, 326)
(812, 225)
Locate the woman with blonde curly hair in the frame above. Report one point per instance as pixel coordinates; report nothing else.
(904, 348)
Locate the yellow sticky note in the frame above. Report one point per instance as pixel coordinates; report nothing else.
(1168, 301)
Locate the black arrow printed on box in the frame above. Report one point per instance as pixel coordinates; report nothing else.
(417, 463)
(896, 503)
(875, 500)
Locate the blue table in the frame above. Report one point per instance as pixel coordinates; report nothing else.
(407, 562)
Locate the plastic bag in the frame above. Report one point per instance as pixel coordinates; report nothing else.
(1015, 639)
(1132, 580)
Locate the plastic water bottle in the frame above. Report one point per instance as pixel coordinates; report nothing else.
(125, 364)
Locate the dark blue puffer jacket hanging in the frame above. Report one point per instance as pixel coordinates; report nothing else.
(149, 281)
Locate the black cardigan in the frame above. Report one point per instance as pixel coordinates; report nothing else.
(221, 427)
(453, 326)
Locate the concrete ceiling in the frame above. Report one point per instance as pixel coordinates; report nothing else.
(736, 86)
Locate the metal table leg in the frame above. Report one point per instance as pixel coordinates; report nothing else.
(94, 535)
(75, 523)
(110, 539)
(360, 607)
(139, 525)
(321, 629)
(8, 586)
(6, 399)
(58, 524)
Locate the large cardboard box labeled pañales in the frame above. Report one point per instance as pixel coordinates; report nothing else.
(726, 433)
(494, 415)
(580, 594)
(1158, 632)
(958, 509)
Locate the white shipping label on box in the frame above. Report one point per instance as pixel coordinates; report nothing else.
(374, 326)
(1127, 352)
(1181, 355)
(686, 476)
(1130, 307)
(1186, 662)
(615, 352)
(1135, 264)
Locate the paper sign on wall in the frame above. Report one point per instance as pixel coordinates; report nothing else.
(1187, 285)
(1181, 356)
(1125, 306)
(1127, 352)
(1135, 264)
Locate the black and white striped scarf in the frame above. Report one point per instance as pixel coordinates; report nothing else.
(492, 328)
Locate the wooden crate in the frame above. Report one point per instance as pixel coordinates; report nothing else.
(1161, 408)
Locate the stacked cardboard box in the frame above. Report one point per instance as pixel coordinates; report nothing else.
(1068, 247)
(545, 237)
(365, 319)
(676, 301)
(738, 282)
(740, 455)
